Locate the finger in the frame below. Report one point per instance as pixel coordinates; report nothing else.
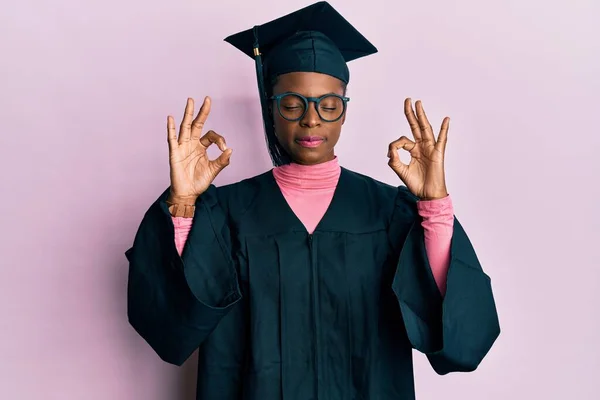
(443, 136)
(213, 137)
(396, 163)
(223, 160)
(402, 143)
(186, 124)
(198, 123)
(412, 119)
(171, 133)
(426, 130)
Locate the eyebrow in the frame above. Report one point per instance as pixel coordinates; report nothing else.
(294, 92)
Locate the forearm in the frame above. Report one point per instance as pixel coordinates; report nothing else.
(437, 222)
(182, 230)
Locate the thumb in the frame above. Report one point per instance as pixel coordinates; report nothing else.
(396, 164)
(223, 160)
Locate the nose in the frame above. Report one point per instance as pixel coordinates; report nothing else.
(311, 119)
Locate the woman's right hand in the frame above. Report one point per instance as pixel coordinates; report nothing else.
(191, 170)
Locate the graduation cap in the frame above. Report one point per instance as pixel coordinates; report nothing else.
(313, 39)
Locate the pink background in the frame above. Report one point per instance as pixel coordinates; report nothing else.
(85, 88)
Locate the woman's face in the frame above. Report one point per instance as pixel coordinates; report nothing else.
(310, 140)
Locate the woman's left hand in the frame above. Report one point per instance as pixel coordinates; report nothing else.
(424, 174)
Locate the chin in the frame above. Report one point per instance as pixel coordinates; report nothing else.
(309, 158)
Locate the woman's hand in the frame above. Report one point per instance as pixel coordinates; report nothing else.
(424, 174)
(191, 170)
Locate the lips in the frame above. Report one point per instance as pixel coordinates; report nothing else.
(310, 141)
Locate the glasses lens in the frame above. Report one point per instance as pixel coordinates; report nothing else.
(292, 107)
(331, 108)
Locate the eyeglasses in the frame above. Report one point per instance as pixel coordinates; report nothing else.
(293, 106)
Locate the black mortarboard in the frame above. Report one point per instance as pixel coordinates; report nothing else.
(313, 39)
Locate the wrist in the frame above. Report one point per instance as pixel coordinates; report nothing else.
(434, 198)
(181, 206)
(181, 210)
(181, 200)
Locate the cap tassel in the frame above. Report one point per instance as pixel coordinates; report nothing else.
(278, 155)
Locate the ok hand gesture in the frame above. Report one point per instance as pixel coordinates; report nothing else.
(424, 174)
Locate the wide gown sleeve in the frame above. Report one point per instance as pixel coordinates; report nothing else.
(457, 330)
(175, 302)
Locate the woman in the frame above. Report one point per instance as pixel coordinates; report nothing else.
(308, 281)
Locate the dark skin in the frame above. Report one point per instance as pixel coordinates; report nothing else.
(192, 171)
(308, 84)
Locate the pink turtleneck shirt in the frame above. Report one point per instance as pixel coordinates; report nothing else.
(309, 190)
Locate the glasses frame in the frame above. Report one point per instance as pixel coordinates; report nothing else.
(307, 100)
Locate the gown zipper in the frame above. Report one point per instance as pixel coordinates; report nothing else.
(316, 314)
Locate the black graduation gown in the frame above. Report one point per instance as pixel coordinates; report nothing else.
(281, 314)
